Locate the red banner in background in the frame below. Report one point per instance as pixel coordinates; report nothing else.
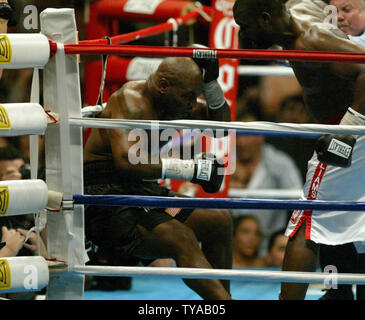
(223, 35)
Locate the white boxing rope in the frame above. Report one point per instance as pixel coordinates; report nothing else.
(23, 274)
(18, 197)
(18, 119)
(24, 50)
(265, 193)
(248, 127)
(265, 71)
(224, 274)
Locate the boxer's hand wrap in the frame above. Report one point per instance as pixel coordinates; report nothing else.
(211, 88)
(203, 171)
(335, 150)
(214, 95)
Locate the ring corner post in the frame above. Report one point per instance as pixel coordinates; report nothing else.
(64, 161)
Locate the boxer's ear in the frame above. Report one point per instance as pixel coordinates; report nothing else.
(266, 17)
(163, 85)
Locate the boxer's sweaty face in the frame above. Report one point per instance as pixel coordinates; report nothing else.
(259, 31)
(253, 36)
(182, 99)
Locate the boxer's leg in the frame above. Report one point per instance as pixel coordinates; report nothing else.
(300, 255)
(172, 239)
(214, 229)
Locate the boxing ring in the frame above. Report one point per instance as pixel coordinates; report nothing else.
(59, 202)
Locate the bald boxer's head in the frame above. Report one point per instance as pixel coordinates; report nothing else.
(177, 83)
(263, 23)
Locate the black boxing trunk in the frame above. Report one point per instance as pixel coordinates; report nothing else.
(117, 226)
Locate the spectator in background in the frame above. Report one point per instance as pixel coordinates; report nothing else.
(259, 165)
(293, 110)
(246, 243)
(250, 102)
(12, 165)
(11, 242)
(276, 249)
(351, 18)
(273, 89)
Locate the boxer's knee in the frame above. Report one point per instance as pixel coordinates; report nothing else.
(223, 222)
(176, 237)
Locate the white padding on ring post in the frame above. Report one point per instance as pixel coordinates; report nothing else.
(19, 197)
(18, 119)
(23, 274)
(24, 50)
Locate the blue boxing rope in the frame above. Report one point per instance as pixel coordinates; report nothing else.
(215, 203)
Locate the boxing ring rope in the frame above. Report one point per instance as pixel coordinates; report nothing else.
(260, 127)
(261, 54)
(212, 203)
(241, 275)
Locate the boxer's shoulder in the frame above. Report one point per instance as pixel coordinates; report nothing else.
(130, 100)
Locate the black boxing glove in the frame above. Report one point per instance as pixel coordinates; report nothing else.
(207, 173)
(203, 170)
(209, 67)
(211, 88)
(335, 150)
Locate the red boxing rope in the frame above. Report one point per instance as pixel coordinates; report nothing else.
(259, 54)
(151, 31)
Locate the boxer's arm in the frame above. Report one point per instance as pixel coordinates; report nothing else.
(202, 112)
(222, 114)
(217, 106)
(328, 41)
(132, 158)
(124, 142)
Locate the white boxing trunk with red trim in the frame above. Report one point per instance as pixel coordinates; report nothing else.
(329, 183)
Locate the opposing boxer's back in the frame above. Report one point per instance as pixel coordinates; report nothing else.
(326, 95)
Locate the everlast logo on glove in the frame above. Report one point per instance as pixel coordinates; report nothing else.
(335, 150)
(204, 169)
(340, 148)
